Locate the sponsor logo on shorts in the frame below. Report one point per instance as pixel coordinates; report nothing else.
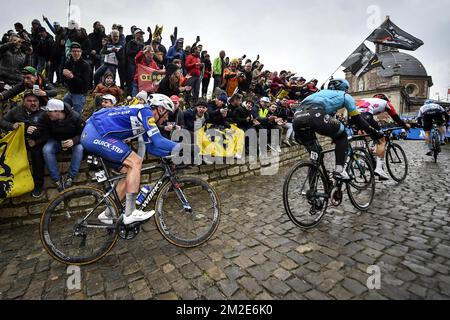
(108, 145)
(326, 119)
(318, 115)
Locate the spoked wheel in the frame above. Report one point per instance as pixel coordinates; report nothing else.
(305, 195)
(396, 162)
(361, 189)
(187, 214)
(436, 143)
(70, 230)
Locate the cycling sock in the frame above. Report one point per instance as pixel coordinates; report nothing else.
(380, 162)
(130, 204)
(339, 169)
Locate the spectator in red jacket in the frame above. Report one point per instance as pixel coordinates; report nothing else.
(194, 68)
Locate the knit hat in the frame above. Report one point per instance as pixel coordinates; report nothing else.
(54, 105)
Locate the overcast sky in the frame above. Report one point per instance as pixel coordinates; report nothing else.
(308, 37)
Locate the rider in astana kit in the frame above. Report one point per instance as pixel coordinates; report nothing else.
(315, 115)
(432, 112)
(104, 134)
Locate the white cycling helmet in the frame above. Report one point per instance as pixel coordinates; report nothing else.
(161, 100)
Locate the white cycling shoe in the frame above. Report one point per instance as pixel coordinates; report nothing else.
(381, 174)
(138, 216)
(105, 218)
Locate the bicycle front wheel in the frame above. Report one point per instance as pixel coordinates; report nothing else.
(361, 189)
(70, 230)
(396, 162)
(305, 195)
(188, 213)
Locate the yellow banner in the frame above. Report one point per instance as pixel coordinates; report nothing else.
(220, 143)
(15, 174)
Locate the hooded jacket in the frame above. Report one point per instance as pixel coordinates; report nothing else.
(103, 89)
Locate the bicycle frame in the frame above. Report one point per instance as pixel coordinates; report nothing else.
(114, 180)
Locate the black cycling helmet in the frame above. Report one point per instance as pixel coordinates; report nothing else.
(381, 96)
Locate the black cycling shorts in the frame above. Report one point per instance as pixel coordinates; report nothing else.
(371, 120)
(435, 115)
(307, 123)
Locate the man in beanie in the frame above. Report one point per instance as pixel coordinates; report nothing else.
(77, 74)
(61, 128)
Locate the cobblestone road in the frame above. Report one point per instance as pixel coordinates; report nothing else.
(257, 253)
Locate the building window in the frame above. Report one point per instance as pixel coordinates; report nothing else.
(361, 85)
(412, 89)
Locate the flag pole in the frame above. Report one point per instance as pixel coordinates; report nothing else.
(68, 11)
(387, 18)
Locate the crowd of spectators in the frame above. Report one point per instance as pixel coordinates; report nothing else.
(35, 63)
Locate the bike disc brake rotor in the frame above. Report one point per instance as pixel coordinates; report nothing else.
(336, 197)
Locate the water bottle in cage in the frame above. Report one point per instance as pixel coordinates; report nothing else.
(145, 190)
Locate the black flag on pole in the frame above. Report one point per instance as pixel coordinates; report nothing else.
(375, 62)
(388, 34)
(360, 59)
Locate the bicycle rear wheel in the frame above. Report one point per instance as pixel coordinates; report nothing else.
(305, 195)
(396, 162)
(69, 228)
(191, 223)
(436, 143)
(361, 189)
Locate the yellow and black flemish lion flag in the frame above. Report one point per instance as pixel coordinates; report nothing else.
(15, 175)
(220, 142)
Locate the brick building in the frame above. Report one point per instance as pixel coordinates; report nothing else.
(404, 80)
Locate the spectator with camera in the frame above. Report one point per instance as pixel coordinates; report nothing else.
(29, 113)
(97, 45)
(14, 56)
(32, 80)
(113, 55)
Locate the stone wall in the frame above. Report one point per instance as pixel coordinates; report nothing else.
(27, 210)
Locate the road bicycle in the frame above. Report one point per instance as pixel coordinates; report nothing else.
(309, 187)
(395, 159)
(187, 214)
